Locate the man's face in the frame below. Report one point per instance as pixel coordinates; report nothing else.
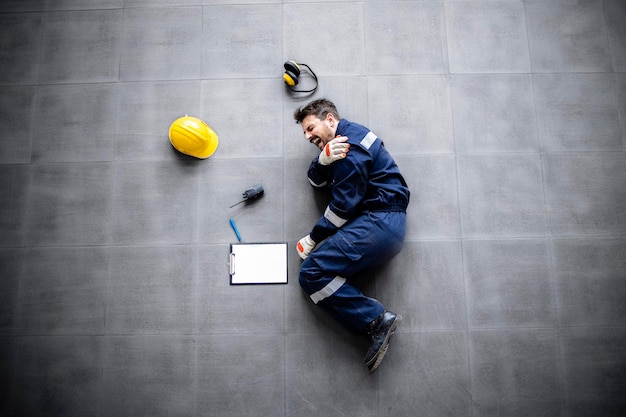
(319, 131)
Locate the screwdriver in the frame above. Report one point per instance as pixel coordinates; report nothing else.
(251, 194)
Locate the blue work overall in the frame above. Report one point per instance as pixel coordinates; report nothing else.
(362, 227)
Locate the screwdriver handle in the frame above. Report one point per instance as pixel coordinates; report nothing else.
(250, 194)
(253, 192)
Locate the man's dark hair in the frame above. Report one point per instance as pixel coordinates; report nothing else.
(318, 108)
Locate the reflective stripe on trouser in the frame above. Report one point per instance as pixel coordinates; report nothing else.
(328, 290)
(369, 240)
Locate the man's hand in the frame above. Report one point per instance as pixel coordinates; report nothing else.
(305, 246)
(334, 150)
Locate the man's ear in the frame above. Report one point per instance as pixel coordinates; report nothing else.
(330, 117)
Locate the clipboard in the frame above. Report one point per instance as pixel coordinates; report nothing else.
(258, 263)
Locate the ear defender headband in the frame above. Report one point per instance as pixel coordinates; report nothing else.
(292, 72)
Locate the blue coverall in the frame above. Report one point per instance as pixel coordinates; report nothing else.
(364, 226)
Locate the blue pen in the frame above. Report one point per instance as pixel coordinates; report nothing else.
(234, 226)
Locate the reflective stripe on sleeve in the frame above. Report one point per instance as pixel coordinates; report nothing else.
(328, 290)
(333, 218)
(318, 185)
(368, 140)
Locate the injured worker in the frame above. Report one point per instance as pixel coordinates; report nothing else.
(362, 227)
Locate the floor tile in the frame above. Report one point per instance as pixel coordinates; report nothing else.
(222, 183)
(10, 271)
(433, 211)
(63, 291)
(70, 204)
(585, 194)
(487, 37)
(246, 115)
(144, 122)
(405, 38)
(250, 48)
(148, 374)
(75, 123)
(425, 374)
(150, 290)
(567, 36)
(501, 195)
(88, 50)
(424, 283)
(154, 203)
(593, 362)
(15, 189)
(158, 3)
(494, 113)
(514, 372)
(49, 381)
(411, 114)
(589, 275)
(161, 44)
(23, 6)
(7, 365)
(577, 112)
(621, 98)
(16, 107)
(615, 14)
(146, 112)
(85, 4)
(20, 44)
(317, 373)
(304, 39)
(240, 375)
(222, 308)
(509, 284)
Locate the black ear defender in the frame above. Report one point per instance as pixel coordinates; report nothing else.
(292, 73)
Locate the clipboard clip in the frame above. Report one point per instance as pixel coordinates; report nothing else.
(231, 264)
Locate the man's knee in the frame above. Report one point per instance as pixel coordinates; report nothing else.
(305, 283)
(309, 272)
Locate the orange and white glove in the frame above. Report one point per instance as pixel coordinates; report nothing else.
(305, 246)
(334, 150)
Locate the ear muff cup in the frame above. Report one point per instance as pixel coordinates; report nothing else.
(292, 72)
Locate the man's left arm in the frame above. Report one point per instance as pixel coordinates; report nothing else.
(348, 191)
(319, 172)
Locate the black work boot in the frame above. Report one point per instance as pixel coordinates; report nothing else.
(380, 331)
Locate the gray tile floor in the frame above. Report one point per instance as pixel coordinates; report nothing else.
(507, 117)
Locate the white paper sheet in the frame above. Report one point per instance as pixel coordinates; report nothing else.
(258, 263)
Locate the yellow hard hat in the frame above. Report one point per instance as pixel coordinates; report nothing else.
(194, 137)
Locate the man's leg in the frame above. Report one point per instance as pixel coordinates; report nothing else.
(367, 241)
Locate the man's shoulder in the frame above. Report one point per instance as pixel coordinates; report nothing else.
(354, 131)
(347, 125)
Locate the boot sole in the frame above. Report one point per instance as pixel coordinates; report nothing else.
(378, 357)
